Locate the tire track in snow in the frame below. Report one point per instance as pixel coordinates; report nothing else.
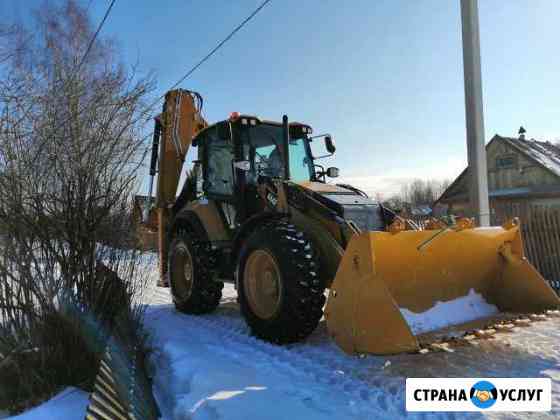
(369, 389)
(319, 360)
(292, 363)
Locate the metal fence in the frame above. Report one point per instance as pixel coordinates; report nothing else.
(540, 227)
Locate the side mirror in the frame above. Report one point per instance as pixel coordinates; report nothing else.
(332, 172)
(329, 144)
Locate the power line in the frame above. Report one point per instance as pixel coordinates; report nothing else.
(188, 73)
(214, 50)
(88, 49)
(93, 38)
(217, 47)
(204, 59)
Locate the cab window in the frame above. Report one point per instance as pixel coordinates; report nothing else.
(300, 165)
(219, 170)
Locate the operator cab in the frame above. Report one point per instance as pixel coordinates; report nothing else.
(237, 154)
(264, 150)
(257, 148)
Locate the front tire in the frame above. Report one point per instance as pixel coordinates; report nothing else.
(280, 291)
(192, 283)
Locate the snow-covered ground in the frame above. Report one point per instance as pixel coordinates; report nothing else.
(209, 367)
(70, 404)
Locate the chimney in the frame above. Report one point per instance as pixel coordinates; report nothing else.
(521, 133)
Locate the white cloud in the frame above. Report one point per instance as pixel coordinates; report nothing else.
(372, 184)
(392, 182)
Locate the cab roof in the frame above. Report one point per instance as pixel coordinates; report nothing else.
(240, 117)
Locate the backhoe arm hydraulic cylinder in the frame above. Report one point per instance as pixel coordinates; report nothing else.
(153, 167)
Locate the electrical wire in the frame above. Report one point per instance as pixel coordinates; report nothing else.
(213, 51)
(185, 76)
(200, 62)
(220, 44)
(88, 49)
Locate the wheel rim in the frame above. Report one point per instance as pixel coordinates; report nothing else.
(182, 272)
(263, 284)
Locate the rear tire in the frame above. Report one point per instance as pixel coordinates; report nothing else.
(278, 253)
(192, 283)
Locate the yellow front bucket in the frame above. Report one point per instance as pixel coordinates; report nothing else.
(387, 281)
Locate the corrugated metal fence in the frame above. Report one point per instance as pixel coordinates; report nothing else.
(540, 226)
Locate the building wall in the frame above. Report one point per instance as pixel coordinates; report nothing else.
(523, 173)
(461, 208)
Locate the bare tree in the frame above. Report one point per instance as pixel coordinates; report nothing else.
(416, 193)
(395, 203)
(70, 150)
(420, 192)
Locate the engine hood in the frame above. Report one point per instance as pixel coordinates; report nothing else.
(366, 213)
(323, 188)
(337, 193)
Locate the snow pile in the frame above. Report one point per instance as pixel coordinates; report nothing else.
(70, 404)
(444, 314)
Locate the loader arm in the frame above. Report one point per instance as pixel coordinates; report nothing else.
(174, 131)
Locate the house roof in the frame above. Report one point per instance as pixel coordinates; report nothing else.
(543, 153)
(421, 210)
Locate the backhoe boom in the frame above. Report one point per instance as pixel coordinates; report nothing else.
(174, 130)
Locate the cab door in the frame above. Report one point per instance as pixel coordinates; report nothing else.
(219, 176)
(218, 171)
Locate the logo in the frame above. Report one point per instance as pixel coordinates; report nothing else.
(478, 394)
(483, 394)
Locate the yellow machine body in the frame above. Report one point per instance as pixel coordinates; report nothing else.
(180, 122)
(377, 279)
(382, 273)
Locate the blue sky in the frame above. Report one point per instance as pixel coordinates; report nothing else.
(384, 77)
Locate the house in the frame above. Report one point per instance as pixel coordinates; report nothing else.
(423, 210)
(520, 171)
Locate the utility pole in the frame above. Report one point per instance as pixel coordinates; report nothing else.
(478, 188)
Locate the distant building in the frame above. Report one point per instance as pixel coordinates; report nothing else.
(519, 171)
(423, 210)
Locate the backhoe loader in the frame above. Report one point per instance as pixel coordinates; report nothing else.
(256, 210)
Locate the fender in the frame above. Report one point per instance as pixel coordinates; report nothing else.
(189, 219)
(249, 226)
